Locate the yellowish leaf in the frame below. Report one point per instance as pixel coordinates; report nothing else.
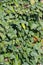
(42, 42)
(23, 25)
(32, 2)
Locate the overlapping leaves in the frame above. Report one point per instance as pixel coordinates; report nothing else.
(21, 32)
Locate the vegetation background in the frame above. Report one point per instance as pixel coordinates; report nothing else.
(21, 32)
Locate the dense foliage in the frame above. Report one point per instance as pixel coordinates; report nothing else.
(21, 32)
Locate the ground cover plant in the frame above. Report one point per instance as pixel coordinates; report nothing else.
(21, 32)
